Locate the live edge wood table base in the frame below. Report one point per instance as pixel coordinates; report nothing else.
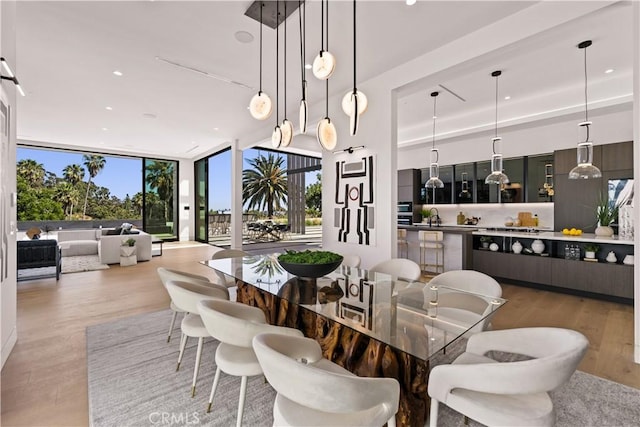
(352, 350)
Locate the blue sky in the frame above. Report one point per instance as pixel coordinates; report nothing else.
(120, 175)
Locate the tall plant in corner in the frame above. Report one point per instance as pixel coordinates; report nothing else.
(94, 165)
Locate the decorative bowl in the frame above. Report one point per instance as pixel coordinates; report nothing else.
(312, 271)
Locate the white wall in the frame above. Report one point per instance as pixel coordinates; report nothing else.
(186, 218)
(8, 292)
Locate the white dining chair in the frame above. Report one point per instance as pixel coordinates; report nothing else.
(167, 274)
(228, 253)
(313, 391)
(234, 325)
(186, 296)
(511, 393)
(351, 260)
(399, 268)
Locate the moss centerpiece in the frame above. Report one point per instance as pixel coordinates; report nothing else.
(311, 264)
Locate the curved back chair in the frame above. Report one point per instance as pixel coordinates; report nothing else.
(466, 309)
(514, 393)
(351, 260)
(234, 325)
(315, 391)
(185, 296)
(228, 253)
(399, 268)
(167, 274)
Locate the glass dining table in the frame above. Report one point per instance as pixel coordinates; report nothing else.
(371, 323)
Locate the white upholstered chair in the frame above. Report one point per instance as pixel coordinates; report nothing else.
(315, 391)
(466, 309)
(400, 268)
(167, 274)
(186, 295)
(351, 260)
(234, 325)
(228, 253)
(510, 393)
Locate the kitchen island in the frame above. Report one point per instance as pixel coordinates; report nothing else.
(458, 244)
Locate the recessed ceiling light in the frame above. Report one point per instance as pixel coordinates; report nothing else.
(411, 2)
(118, 73)
(108, 108)
(216, 128)
(308, 66)
(105, 129)
(609, 71)
(243, 36)
(507, 97)
(193, 142)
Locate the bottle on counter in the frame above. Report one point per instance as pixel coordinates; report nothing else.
(460, 218)
(536, 221)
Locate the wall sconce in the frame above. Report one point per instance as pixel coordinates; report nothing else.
(11, 76)
(349, 150)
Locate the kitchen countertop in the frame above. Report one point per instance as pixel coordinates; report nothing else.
(553, 235)
(458, 229)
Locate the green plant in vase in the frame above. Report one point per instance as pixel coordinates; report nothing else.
(426, 214)
(485, 241)
(590, 250)
(606, 214)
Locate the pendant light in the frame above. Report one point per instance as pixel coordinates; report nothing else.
(287, 126)
(276, 136)
(585, 168)
(496, 176)
(434, 169)
(326, 130)
(354, 102)
(304, 108)
(464, 191)
(325, 62)
(260, 106)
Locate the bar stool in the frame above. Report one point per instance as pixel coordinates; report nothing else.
(431, 242)
(403, 243)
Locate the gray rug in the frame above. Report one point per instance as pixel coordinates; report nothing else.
(74, 264)
(133, 382)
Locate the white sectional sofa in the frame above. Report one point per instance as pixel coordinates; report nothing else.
(98, 242)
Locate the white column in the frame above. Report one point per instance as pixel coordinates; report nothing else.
(236, 196)
(636, 175)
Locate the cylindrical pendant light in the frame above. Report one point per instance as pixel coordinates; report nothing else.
(585, 168)
(497, 176)
(434, 169)
(260, 106)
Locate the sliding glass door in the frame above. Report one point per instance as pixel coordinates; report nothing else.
(161, 195)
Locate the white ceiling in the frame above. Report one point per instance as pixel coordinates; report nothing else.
(67, 51)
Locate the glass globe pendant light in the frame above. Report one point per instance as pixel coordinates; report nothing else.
(496, 176)
(260, 106)
(464, 190)
(354, 102)
(434, 169)
(585, 168)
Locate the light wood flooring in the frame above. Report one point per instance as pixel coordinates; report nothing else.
(44, 382)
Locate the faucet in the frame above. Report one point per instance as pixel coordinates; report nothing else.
(437, 216)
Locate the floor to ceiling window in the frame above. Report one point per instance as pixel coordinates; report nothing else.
(161, 192)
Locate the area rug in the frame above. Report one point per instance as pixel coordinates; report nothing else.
(74, 264)
(133, 382)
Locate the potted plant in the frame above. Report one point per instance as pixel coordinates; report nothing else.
(485, 241)
(426, 214)
(590, 250)
(606, 213)
(129, 242)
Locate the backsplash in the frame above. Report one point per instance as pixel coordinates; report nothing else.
(494, 214)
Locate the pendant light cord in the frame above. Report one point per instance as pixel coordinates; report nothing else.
(355, 90)
(321, 27)
(493, 145)
(261, 6)
(433, 140)
(302, 38)
(285, 60)
(326, 10)
(586, 109)
(277, 61)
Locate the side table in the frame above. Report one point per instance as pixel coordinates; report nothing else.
(128, 256)
(155, 251)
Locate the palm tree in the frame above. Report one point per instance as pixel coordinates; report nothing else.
(94, 165)
(265, 186)
(67, 196)
(73, 174)
(137, 201)
(159, 176)
(32, 171)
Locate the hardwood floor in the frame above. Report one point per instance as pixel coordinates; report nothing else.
(44, 381)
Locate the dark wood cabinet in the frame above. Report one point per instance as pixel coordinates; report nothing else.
(528, 268)
(409, 186)
(598, 278)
